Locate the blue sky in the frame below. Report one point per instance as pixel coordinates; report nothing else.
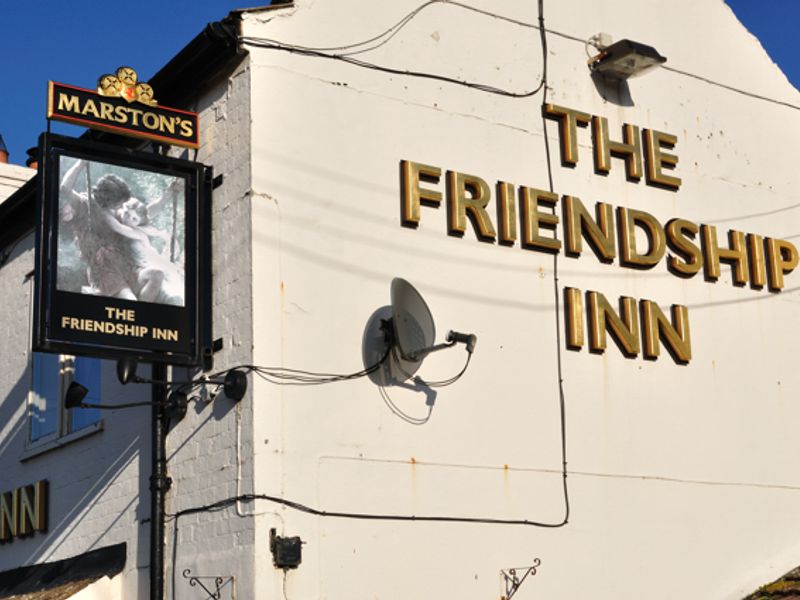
(776, 24)
(76, 41)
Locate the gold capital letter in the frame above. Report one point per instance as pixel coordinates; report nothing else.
(603, 317)
(736, 255)
(413, 194)
(68, 102)
(468, 194)
(628, 219)
(657, 159)
(568, 121)
(782, 258)
(675, 335)
(532, 219)
(630, 148)
(579, 223)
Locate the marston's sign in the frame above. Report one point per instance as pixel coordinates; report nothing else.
(112, 108)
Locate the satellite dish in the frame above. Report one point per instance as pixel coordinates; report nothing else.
(412, 322)
(413, 329)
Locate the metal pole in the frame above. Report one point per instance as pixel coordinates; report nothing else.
(159, 483)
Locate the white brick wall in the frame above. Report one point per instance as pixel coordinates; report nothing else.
(203, 448)
(12, 177)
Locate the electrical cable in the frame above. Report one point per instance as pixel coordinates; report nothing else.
(327, 52)
(391, 70)
(556, 291)
(731, 88)
(227, 502)
(286, 376)
(446, 382)
(385, 36)
(394, 29)
(431, 384)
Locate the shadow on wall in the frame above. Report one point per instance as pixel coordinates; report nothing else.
(96, 492)
(394, 372)
(612, 90)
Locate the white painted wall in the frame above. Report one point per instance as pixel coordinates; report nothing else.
(11, 178)
(683, 479)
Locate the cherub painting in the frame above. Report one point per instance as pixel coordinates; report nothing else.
(121, 233)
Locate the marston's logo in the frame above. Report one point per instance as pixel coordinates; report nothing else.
(124, 85)
(111, 108)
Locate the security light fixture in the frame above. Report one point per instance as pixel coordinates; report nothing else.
(624, 59)
(234, 384)
(75, 394)
(126, 370)
(175, 405)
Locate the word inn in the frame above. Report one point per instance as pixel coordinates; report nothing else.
(23, 511)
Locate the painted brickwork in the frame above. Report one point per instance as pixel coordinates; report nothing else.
(206, 449)
(11, 178)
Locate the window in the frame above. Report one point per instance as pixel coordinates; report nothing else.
(52, 374)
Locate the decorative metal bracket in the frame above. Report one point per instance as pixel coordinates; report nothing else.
(513, 582)
(219, 583)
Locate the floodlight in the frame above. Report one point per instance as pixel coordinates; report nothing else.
(624, 59)
(75, 395)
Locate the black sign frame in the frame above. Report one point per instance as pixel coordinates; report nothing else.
(120, 320)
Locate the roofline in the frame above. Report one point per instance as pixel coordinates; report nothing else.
(199, 61)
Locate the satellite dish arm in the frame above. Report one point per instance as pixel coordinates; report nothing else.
(453, 338)
(420, 354)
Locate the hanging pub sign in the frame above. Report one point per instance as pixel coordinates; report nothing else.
(123, 105)
(122, 253)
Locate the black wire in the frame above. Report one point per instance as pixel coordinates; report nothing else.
(394, 29)
(223, 504)
(287, 376)
(556, 292)
(730, 88)
(451, 380)
(384, 69)
(433, 384)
